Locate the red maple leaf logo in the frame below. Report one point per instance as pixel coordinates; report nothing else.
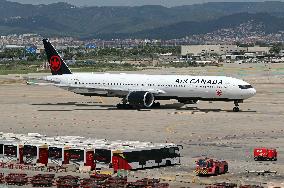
(55, 63)
(219, 93)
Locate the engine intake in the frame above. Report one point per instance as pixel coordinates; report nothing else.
(139, 98)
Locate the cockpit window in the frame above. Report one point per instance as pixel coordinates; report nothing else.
(245, 86)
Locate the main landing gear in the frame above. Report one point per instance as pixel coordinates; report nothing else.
(156, 105)
(236, 108)
(129, 106)
(126, 105)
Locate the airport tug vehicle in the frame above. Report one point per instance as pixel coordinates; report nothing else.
(209, 167)
(264, 154)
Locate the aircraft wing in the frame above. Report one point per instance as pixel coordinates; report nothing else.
(113, 91)
(38, 83)
(46, 84)
(88, 89)
(154, 91)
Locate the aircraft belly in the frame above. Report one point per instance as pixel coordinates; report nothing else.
(87, 91)
(192, 92)
(97, 92)
(177, 93)
(65, 88)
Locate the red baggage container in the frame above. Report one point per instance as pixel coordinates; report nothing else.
(264, 154)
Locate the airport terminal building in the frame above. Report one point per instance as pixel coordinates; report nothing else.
(201, 50)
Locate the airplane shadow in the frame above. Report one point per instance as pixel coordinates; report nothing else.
(175, 106)
(196, 109)
(55, 110)
(68, 104)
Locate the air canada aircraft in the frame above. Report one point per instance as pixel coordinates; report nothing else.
(143, 91)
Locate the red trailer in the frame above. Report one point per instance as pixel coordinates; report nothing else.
(264, 154)
(43, 154)
(210, 167)
(16, 179)
(82, 156)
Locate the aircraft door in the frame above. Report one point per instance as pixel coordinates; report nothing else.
(227, 90)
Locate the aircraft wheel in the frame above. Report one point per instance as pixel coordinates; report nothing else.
(274, 159)
(226, 169)
(123, 106)
(236, 109)
(217, 172)
(156, 105)
(119, 106)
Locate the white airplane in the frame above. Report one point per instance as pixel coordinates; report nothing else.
(142, 91)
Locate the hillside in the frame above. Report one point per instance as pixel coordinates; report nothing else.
(269, 24)
(64, 19)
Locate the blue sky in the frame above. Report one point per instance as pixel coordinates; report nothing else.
(168, 3)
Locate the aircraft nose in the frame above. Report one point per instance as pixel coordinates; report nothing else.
(253, 92)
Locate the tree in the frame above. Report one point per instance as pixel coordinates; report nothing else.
(276, 48)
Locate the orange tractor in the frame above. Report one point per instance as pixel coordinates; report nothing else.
(208, 166)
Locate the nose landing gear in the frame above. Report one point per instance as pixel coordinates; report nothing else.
(236, 108)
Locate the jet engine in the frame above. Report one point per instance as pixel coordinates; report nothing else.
(140, 98)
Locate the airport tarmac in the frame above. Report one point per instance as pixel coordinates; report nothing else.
(205, 129)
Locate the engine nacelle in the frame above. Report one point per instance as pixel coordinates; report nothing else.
(141, 98)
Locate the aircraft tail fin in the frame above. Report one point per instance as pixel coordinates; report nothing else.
(57, 65)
